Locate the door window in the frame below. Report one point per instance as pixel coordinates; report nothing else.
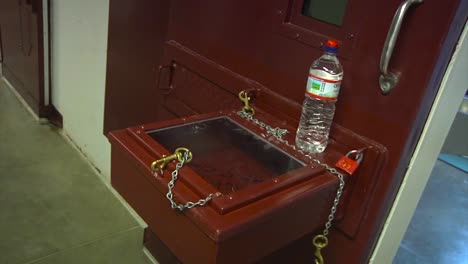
(329, 11)
(312, 22)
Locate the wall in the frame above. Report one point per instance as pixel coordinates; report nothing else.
(78, 64)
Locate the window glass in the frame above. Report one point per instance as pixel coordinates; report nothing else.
(329, 11)
(226, 154)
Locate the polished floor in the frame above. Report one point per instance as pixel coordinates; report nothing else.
(438, 232)
(53, 207)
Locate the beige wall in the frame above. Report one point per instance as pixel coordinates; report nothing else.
(78, 62)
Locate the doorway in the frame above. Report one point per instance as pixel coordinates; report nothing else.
(24, 48)
(444, 109)
(438, 231)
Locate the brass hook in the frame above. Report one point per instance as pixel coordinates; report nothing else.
(319, 241)
(245, 98)
(160, 164)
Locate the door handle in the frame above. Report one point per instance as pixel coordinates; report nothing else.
(166, 89)
(388, 80)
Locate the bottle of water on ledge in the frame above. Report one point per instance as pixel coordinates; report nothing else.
(318, 109)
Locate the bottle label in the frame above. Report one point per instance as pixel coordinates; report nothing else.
(322, 89)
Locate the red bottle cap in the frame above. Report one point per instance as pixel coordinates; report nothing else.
(332, 46)
(333, 43)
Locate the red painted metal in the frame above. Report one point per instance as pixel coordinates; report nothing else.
(218, 48)
(248, 219)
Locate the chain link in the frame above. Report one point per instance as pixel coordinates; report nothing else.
(170, 186)
(278, 133)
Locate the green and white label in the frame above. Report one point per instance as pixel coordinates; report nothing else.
(322, 89)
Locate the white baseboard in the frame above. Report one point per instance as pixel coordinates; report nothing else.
(150, 257)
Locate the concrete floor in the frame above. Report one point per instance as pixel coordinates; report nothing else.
(438, 232)
(53, 206)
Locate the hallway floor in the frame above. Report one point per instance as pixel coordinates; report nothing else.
(438, 232)
(54, 208)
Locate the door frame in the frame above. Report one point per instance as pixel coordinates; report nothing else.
(46, 51)
(436, 128)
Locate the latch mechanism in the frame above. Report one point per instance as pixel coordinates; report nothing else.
(245, 98)
(178, 155)
(183, 156)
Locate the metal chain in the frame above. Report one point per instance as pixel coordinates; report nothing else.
(170, 185)
(339, 192)
(278, 133)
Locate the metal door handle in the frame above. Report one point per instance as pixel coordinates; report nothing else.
(388, 80)
(169, 87)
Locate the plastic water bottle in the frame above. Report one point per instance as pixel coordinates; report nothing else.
(318, 109)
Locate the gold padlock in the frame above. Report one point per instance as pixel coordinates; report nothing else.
(179, 155)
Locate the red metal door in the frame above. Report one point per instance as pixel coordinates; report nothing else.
(213, 49)
(24, 64)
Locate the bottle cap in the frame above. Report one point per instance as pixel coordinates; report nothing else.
(332, 46)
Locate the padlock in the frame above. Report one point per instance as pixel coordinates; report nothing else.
(348, 164)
